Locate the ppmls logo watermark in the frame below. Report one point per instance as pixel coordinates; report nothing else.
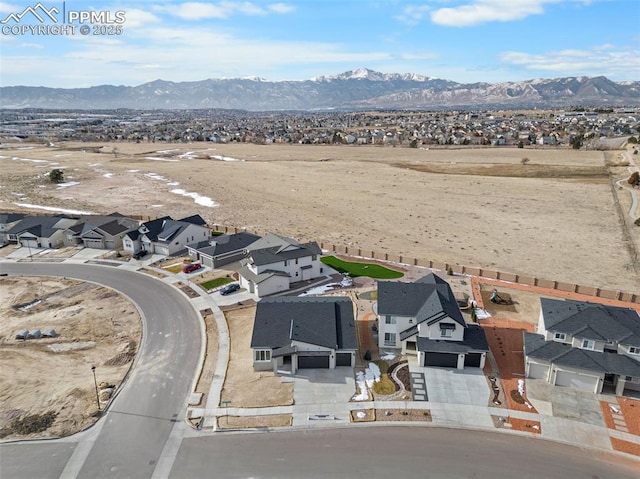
(57, 19)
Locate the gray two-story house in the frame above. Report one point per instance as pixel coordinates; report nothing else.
(423, 319)
(588, 346)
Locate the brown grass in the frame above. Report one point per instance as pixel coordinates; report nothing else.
(357, 196)
(246, 422)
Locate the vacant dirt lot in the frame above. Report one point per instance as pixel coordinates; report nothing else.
(554, 217)
(94, 326)
(243, 386)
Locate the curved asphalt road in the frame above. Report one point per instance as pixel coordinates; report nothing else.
(139, 421)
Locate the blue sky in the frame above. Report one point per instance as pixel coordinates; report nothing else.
(460, 40)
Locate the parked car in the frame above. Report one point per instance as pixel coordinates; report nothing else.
(191, 267)
(140, 254)
(230, 288)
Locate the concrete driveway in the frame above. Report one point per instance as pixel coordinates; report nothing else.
(453, 386)
(322, 396)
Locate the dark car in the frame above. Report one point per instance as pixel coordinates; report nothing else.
(191, 267)
(230, 288)
(140, 254)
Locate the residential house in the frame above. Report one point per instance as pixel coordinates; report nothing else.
(40, 231)
(273, 262)
(221, 250)
(588, 346)
(165, 235)
(8, 221)
(423, 319)
(101, 232)
(291, 333)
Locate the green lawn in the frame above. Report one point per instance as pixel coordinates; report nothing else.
(370, 270)
(214, 283)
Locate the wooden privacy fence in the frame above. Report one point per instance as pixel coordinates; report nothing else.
(462, 269)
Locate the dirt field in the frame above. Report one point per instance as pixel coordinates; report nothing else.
(554, 217)
(50, 379)
(243, 386)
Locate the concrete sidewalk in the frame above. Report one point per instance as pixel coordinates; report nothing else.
(322, 397)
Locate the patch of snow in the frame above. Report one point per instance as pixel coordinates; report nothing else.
(224, 158)
(361, 414)
(59, 155)
(157, 206)
(108, 175)
(61, 186)
(27, 307)
(164, 152)
(132, 171)
(155, 176)
(29, 159)
(3, 157)
(319, 289)
(361, 386)
(54, 209)
(521, 387)
(156, 158)
(173, 183)
(372, 374)
(388, 356)
(482, 313)
(197, 198)
(93, 164)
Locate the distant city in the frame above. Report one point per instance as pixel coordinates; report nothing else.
(417, 129)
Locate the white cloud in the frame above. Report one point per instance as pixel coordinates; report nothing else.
(281, 8)
(139, 18)
(10, 8)
(178, 54)
(31, 45)
(607, 60)
(222, 10)
(413, 14)
(483, 11)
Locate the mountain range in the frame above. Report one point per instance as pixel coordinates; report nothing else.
(355, 89)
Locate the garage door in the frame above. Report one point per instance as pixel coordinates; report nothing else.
(313, 362)
(538, 371)
(578, 381)
(472, 360)
(443, 360)
(343, 359)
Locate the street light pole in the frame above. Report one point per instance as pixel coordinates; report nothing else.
(95, 381)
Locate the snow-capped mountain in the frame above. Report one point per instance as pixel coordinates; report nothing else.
(355, 89)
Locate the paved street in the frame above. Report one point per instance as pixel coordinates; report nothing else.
(391, 452)
(144, 433)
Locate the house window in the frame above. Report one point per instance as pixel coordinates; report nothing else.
(314, 257)
(634, 350)
(321, 270)
(447, 329)
(389, 339)
(263, 355)
(296, 273)
(296, 260)
(588, 344)
(560, 337)
(389, 320)
(286, 263)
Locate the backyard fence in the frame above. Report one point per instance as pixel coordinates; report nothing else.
(462, 269)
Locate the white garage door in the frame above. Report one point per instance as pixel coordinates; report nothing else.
(578, 381)
(538, 371)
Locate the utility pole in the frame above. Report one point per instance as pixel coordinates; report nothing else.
(95, 382)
